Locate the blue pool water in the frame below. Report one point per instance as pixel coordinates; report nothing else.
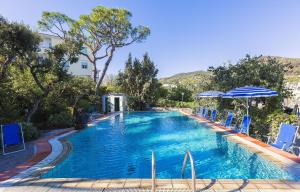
(120, 147)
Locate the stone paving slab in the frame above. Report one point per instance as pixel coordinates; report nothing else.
(82, 185)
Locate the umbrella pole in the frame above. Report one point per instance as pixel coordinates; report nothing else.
(247, 106)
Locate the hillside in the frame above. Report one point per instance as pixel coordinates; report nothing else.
(196, 80)
(192, 80)
(292, 75)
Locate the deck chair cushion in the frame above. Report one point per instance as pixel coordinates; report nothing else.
(213, 115)
(11, 134)
(245, 124)
(229, 119)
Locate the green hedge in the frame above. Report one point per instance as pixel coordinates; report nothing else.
(275, 119)
(171, 103)
(30, 131)
(61, 120)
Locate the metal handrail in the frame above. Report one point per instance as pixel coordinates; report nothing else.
(153, 172)
(188, 154)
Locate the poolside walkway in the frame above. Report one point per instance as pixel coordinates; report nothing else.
(75, 185)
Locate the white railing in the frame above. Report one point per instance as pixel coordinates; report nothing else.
(188, 154)
(153, 172)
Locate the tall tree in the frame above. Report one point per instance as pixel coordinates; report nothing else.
(48, 71)
(103, 31)
(16, 41)
(139, 81)
(255, 71)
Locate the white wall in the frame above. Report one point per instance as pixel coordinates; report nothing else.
(75, 69)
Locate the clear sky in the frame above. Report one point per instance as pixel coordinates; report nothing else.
(188, 35)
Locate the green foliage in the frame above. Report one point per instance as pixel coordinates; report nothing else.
(30, 131)
(86, 105)
(17, 42)
(253, 71)
(171, 103)
(175, 94)
(61, 120)
(276, 118)
(196, 82)
(103, 31)
(139, 82)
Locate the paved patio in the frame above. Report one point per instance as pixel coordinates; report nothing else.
(74, 185)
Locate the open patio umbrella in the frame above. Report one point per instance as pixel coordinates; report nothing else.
(249, 92)
(210, 94)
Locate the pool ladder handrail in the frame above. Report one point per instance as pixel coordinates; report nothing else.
(153, 172)
(188, 154)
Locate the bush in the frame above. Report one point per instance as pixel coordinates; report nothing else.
(30, 132)
(61, 120)
(86, 105)
(276, 118)
(171, 103)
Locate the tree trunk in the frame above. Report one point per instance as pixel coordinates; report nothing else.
(4, 67)
(34, 109)
(105, 69)
(95, 72)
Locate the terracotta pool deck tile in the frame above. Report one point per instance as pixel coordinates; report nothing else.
(86, 184)
(293, 184)
(264, 186)
(117, 183)
(232, 186)
(146, 183)
(164, 184)
(181, 184)
(99, 184)
(226, 181)
(281, 186)
(248, 186)
(43, 149)
(132, 183)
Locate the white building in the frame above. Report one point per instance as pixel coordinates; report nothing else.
(83, 68)
(114, 102)
(295, 88)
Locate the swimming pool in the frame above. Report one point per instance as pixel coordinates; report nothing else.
(120, 147)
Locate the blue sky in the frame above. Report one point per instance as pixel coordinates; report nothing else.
(188, 35)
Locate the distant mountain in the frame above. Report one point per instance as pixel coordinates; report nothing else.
(292, 75)
(196, 80)
(192, 80)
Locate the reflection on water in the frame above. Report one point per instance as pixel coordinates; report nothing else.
(120, 147)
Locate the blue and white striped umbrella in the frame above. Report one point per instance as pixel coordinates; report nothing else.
(249, 92)
(210, 94)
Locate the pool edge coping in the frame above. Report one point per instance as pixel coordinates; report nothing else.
(55, 141)
(285, 160)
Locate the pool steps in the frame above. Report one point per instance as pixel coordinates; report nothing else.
(187, 155)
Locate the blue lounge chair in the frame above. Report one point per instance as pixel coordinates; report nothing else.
(12, 135)
(213, 115)
(205, 114)
(286, 136)
(245, 125)
(228, 119)
(200, 112)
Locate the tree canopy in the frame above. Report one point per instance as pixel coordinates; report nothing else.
(139, 81)
(102, 31)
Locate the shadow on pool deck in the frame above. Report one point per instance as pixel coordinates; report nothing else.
(63, 184)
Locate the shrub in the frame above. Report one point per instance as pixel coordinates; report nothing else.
(86, 105)
(276, 118)
(30, 131)
(171, 103)
(61, 120)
